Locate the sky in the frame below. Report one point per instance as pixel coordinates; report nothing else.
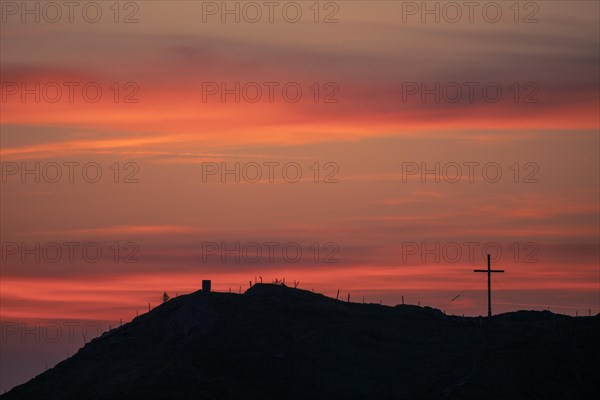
(382, 148)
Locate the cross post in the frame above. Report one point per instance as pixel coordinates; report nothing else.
(489, 282)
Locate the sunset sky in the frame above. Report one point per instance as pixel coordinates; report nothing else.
(372, 216)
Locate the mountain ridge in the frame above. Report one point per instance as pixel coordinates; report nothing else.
(277, 342)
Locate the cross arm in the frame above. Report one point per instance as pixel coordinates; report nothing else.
(486, 270)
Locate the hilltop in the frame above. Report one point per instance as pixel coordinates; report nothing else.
(276, 342)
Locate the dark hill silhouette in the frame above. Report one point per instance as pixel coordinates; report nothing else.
(275, 342)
